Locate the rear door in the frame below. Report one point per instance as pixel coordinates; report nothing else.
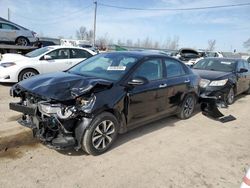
(241, 78)
(145, 101)
(178, 82)
(247, 74)
(77, 55)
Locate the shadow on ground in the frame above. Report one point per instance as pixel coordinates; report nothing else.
(9, 145)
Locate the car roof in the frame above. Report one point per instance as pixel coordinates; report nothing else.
(2, 20)
(73, 47)
(140, 54)
(225, 59)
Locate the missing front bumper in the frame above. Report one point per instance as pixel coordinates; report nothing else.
(23, 109)
(209, 107)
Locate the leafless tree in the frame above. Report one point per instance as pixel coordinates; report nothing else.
(211, 45)
(81, 33)
(129, 42)
(84, 34)
(147, 43)
(246, 44)
(156, 44)
(172, 44)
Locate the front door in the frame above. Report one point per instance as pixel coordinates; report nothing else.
(59, 61)
(145, 101)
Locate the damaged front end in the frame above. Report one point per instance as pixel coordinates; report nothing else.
(59, 115)
(210, 104)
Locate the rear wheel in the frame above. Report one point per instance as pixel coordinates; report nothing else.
(187, 107)
(230, 96)
(101, 134)
(22, 41)
(27, 73)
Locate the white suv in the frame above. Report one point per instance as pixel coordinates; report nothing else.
(14, 34)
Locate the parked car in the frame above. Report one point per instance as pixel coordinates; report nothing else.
(16, 67)
(204, 54)
(223, 78)
(110, 93)
(187, 54)
(12, 33)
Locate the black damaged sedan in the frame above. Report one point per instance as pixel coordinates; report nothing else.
(88, 105)
(223, 78)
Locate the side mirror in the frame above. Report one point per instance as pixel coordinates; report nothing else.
(242, 70)
(47, 57)
(138, 81)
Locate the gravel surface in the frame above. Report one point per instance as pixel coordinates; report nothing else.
(198, 152)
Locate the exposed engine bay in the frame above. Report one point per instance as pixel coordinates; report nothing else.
(55, 122)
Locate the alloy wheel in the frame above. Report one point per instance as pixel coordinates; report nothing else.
(230, 96)
(22, 42)
(188, 106)
(103, 134)
(27, 75)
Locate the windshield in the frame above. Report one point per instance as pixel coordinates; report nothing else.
(38, 52)
(223, 65)
(109, 66)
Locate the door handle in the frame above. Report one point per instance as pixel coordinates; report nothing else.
(186, 81)
(163, 85)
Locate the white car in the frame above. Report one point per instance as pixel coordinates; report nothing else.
(15, 34)
(16, 67)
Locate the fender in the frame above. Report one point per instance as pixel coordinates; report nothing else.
(80, 129)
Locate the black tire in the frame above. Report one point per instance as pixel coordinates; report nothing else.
(22, 41)
(96, 140)
(230, 96)
(187, 107)
(26, 73)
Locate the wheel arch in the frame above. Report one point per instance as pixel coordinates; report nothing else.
(85, 124)
(21, 36)
(26, 68)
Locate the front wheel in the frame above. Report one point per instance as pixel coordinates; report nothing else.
(27, 73)
(230, 96)
(101, 134)
(187, 107)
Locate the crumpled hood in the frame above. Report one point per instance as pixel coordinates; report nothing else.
(10, 57)
(61, 86)
(212, 75)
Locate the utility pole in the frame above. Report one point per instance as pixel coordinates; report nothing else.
(95, 2)
(8, 14)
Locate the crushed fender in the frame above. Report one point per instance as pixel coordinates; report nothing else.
(209, 107)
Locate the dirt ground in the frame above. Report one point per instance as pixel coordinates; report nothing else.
(198, 152)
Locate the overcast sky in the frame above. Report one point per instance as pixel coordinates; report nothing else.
(229, 26)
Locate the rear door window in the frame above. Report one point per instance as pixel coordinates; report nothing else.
(78, 53)
(173, 68)
(9, 27)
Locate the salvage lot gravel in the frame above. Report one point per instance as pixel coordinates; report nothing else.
(198, 152)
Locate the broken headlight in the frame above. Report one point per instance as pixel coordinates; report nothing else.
(218, 82)
(87, 103)
(55, 109)
(204, 83)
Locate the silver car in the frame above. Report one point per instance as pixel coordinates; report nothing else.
(12, 33)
